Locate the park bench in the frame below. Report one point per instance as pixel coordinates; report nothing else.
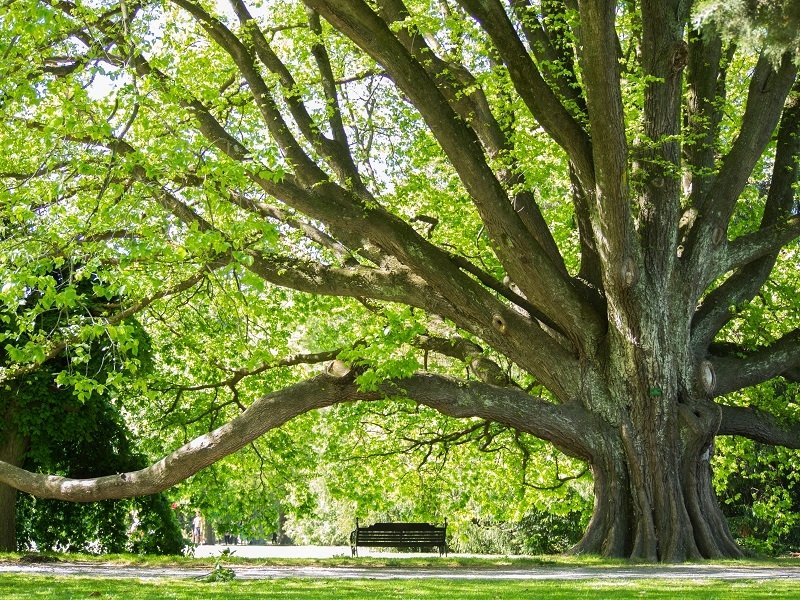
(399, 535)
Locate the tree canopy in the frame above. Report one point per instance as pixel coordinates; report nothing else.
(575, 221)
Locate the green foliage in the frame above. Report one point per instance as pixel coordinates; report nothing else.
(89, 227)
(93, 442)
(68, 411)
(773, 25)
(538, 532)
(220, 573)
(758, 488)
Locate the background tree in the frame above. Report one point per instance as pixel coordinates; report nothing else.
(578, 202)
(62, 418)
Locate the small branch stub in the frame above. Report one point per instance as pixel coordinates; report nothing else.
(717, 236)
(629, 272)
(708, 377)
(338, 368)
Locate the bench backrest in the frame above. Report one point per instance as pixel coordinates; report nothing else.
(400, 534)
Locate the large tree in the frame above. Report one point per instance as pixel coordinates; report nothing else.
(577, 199)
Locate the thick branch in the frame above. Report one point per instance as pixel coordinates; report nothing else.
(541, 281)
(570, 428)
(754, 255)
(759, 426)
(336, 150)
(533, 89)
(315, 234)
(734, 373)
(264, 414)
(766, 241)
(307, 169)
(455, 347)
(553, 49)
(664, 56)
(438, 285)
(485, 369)
(704, 86)
(355, 281)
(467, 98)
(332, 99)
(610, 206)
(766, 96)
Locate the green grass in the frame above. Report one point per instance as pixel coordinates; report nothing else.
(33, 587)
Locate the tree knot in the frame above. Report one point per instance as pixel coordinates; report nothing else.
(680, 58)
(499, 323)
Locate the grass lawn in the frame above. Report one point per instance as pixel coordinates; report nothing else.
(37, 586)
(34, 586)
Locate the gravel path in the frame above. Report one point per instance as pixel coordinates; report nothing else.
(682, 572)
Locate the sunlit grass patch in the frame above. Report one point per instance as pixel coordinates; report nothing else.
(16, 586)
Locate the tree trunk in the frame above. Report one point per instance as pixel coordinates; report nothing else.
(12, 451)
(654, 498)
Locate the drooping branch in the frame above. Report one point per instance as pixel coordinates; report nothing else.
(568, 426)
(759, 426)
(734, 372)
(264, 414)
